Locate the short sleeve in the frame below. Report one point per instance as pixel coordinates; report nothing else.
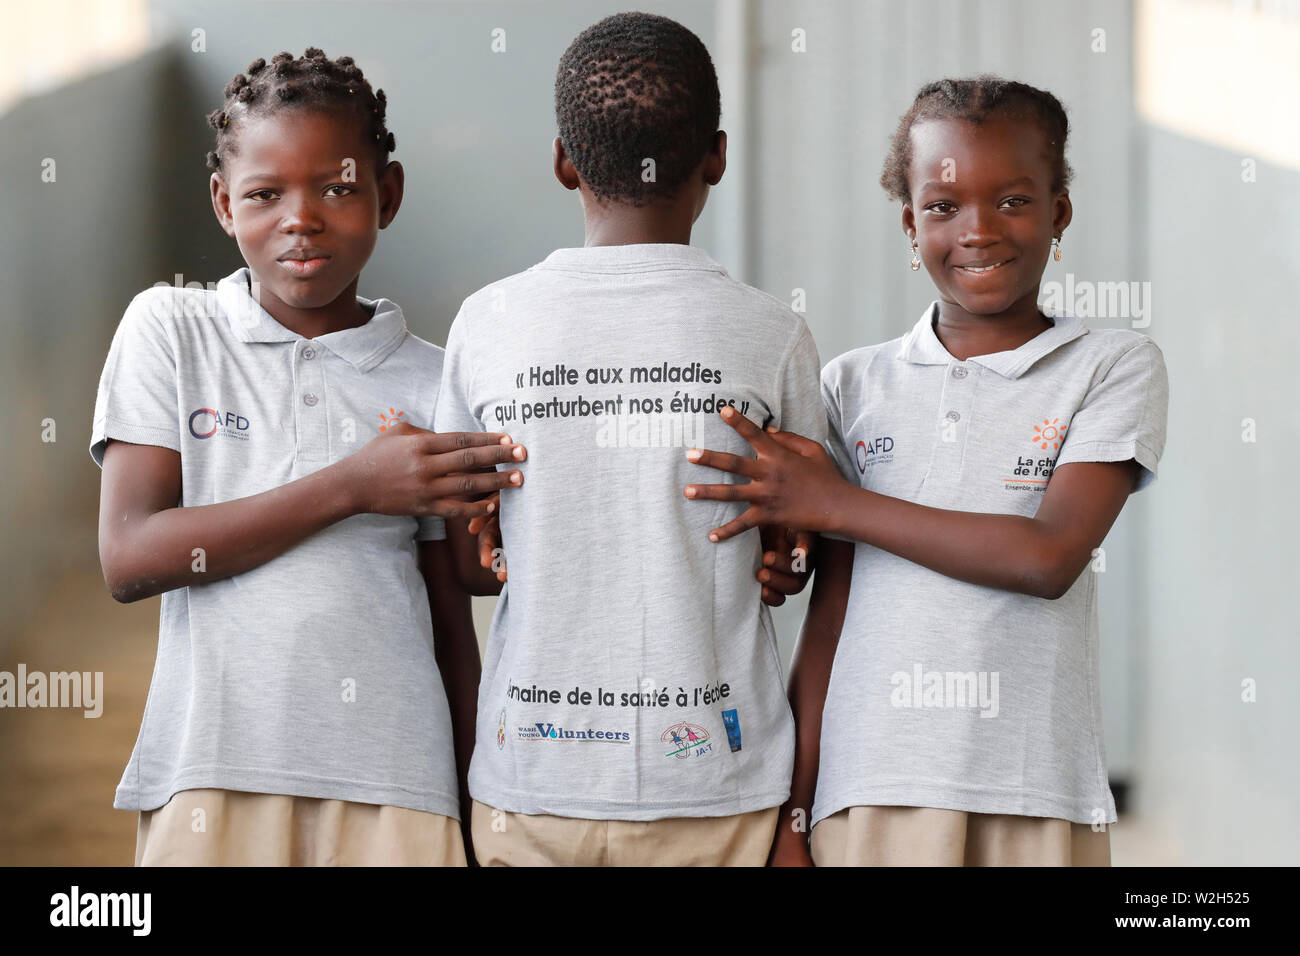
(836, 445)
(801, 410)
(1124, 415)
(454, 411)
(137, 397)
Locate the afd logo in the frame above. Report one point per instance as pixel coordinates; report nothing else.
(875, 452)
(206, 422)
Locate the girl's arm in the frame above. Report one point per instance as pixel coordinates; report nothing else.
(809, 676)
(794, 482)
(455, 647)
(148, 544)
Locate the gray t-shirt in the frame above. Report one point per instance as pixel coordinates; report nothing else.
(947, 694)
(632, 668)
(312, 675)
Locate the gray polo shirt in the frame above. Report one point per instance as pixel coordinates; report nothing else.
(312, 675)
(946, 694)
(632, 669)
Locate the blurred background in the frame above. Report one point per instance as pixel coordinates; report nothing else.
(1186, 146)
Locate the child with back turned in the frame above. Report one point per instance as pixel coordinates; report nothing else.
(632, 708)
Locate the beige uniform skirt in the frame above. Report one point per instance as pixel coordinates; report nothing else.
(233, 828)
(502, 838)
(927, 836)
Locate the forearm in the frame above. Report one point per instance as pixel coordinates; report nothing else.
(1008, 552)
(177, 547)
(809, 678)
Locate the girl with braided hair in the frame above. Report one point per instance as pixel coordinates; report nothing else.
(945, 685)
(267, 469)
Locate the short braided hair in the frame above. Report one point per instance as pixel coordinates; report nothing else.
(313, 81)
(976, 100)
(632, 87)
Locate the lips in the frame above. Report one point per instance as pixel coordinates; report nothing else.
(983, 268)
(304, 262)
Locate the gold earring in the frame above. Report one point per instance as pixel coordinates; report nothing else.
(1056, 248)
(916, 262)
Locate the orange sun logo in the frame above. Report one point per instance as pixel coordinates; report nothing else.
(393, 417)
(1049, 432)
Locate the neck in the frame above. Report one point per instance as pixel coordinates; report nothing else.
(965, 334)
(620, 224)
(343, 313)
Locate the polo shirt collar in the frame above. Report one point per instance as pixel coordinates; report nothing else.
(921, 346)
(364, 346)
(632, 257)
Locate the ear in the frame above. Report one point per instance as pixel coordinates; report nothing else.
(392, 184)
(1062, 212)
(715, 161)
(909, 221)
(563, 166)
(221, 203)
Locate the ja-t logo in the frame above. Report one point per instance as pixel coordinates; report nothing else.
(206, 422)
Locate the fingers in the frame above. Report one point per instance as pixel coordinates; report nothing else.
(723, 461)
(743, 426)
(477, 484)
(459, 508)
(772, 598)
(732, 528)
(793, 441)
(721, 492)
(437, 443)
(782, 581)
(476, 525)
(476, 457)
(489, 544)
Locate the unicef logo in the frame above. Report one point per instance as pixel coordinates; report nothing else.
(203, 417)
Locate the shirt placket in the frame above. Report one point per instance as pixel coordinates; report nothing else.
(956, 403)
(313, 420)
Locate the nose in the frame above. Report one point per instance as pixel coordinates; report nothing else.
(979, 228)
(301, 217)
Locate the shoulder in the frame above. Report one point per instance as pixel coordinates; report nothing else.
(166, 307)
(494, 297)
(1129, 352)
(856, 362)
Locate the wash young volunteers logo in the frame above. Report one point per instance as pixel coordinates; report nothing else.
(686, 740)
(878, 451)
(392, 418)
(551, 732)
(206, 422)
(1030, 473)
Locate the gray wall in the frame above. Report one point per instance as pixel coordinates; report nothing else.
(1220, 776)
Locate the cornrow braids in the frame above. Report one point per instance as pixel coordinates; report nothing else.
(636, 86)
(977, 100)
(313, 81)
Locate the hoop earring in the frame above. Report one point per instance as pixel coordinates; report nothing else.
(1056, 248)
(916, 262)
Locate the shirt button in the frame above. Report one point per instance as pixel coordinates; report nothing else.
(959, 372)
(953, 416)
(309, 398)
(309, 353)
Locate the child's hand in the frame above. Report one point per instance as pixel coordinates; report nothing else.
(412, 471)
(787, 563)
(792, 482)
(789, 850)
(488, 530)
